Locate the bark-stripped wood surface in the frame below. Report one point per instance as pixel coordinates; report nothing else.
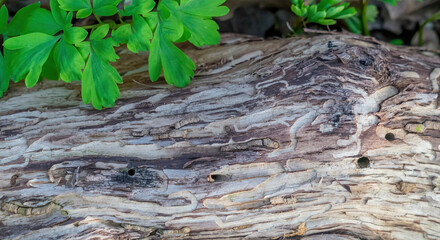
(322, 137)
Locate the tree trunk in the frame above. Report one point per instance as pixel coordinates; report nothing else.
(322, 137)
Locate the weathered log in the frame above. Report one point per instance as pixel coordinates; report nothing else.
(322, 137)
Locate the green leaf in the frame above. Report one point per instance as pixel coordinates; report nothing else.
(103, 47)
(304, 11)
(4, 15)
(178, 68)
(7, 55)
(203, 8)
(397, 41)
(152, 20)
(74, 5)
(311, 10)
(326, 21)
(137, 36)
(32, 19)
(372, 13)
(300, 3)
(60, 16)
(325, 4)
(99, 79)
(349, 12)
(84, 7)
(83, 13)
(50, 70)
(298, 8)
(99, 82)
(74, 35)
(297, 11)
(142, 7)
(391, 2)
(434, 17)
(354, 24)
(317, 16)
(142, 34)
(20, 19)
(122, 33)
(69, 61)
(4, 75)
(100, 32)
(185, 36)
(105, 7)
(331, 12)
(84, 49)
(32, 51)
(196, 16)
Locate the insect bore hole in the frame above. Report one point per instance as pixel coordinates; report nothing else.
(363, 162)
(217, 178)
(389, 137)
(131, 172)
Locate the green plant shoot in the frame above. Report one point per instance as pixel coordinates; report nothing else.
(367, 13)
(355, 23)
(325, 12)
(434, 17)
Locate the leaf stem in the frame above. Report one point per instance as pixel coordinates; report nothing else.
(123, 7)
(97, 18)
(2, 2)
(112, 25)
(365, 30)
(120, 18)
(421, 33)
(434, 17)
(299, 24)
(91, 26)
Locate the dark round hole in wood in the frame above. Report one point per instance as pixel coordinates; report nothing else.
(363, 162)
(389, 136)
(131, 172)
(218, 178)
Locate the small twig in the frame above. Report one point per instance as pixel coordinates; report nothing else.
(289, 27)
(308, 30)
(145, 85)
(340, 59)
(61, 222)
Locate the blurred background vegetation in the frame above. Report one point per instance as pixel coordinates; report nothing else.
(397, 24)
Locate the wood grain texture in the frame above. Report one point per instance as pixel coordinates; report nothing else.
(321, 137)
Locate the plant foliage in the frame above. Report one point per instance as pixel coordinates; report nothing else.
(354, 23)
(325, 12)
(45, 44)
(433, 18)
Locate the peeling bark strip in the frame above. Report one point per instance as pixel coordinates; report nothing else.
(333, 136)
